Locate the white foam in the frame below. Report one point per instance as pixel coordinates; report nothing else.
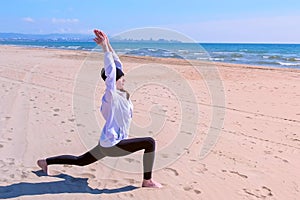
(289, 64)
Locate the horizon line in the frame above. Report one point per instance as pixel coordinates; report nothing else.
(133, 40)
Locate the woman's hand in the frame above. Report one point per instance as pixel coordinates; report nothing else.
(101, 39)
(103, 35)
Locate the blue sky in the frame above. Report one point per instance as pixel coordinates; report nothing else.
(270, 21)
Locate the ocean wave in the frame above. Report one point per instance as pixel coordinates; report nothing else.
(227, 54)
(236, 55)
(275, 63)
(154, 53)
(202, 58)
(272, 57)
(183, 51)
(74, 47)
(217, 59)
(200, 53)
(289, 64)
(127, 49)
(268, 63)
(293, 59)
(219, 56)
(220, 52)
(153, 50)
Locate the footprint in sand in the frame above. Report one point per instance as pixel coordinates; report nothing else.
(71, 120)
(283, 160)
(239, 174)
(7, 118)
(11, 161)
(172, 170)
(88, 175)
(68, 166)
(191, 188)
(125, 195)
(55, 172)
(199, 169)
(165, 155)
(263, 193)
(131, 180)
(24, 175)
(130, 160)
(187, 188)
(106, 182)
(197, 191)
(2, 163)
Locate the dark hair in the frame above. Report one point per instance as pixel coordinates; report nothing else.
(119, 74)
(127, 94)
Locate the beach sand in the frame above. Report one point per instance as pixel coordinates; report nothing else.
(255, 154)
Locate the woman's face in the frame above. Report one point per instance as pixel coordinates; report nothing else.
(120, 83)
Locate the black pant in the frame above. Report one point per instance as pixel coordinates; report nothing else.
(123, 148)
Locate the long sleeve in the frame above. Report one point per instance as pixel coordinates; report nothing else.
(115, 108)
(110, 72)
(117, 61)
(108, 105)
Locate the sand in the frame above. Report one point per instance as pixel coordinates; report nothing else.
(50, 105)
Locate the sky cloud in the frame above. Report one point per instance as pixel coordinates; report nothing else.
(273, 29)
(28, 19)
(64, 21)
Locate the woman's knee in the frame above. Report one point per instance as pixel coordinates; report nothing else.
(150, 144)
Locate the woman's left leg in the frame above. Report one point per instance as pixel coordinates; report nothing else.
(85, 159)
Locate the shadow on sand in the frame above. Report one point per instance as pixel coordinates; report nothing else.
(68, 185)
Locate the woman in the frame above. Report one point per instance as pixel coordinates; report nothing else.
(116, 109)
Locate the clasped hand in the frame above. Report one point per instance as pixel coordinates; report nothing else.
(101, 39)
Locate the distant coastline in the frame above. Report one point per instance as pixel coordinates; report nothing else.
(71, 38)
(272, 55)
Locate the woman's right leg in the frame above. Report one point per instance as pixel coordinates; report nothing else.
(129, 146)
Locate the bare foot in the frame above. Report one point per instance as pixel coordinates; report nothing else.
(43, 164)
(151, 184)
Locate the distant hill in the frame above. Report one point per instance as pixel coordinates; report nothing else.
(45, 37)
(145, 41)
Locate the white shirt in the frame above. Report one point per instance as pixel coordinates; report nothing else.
(115, 108)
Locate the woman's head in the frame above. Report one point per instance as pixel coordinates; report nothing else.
(120, 80)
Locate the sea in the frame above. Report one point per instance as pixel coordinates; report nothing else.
(269, 55)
